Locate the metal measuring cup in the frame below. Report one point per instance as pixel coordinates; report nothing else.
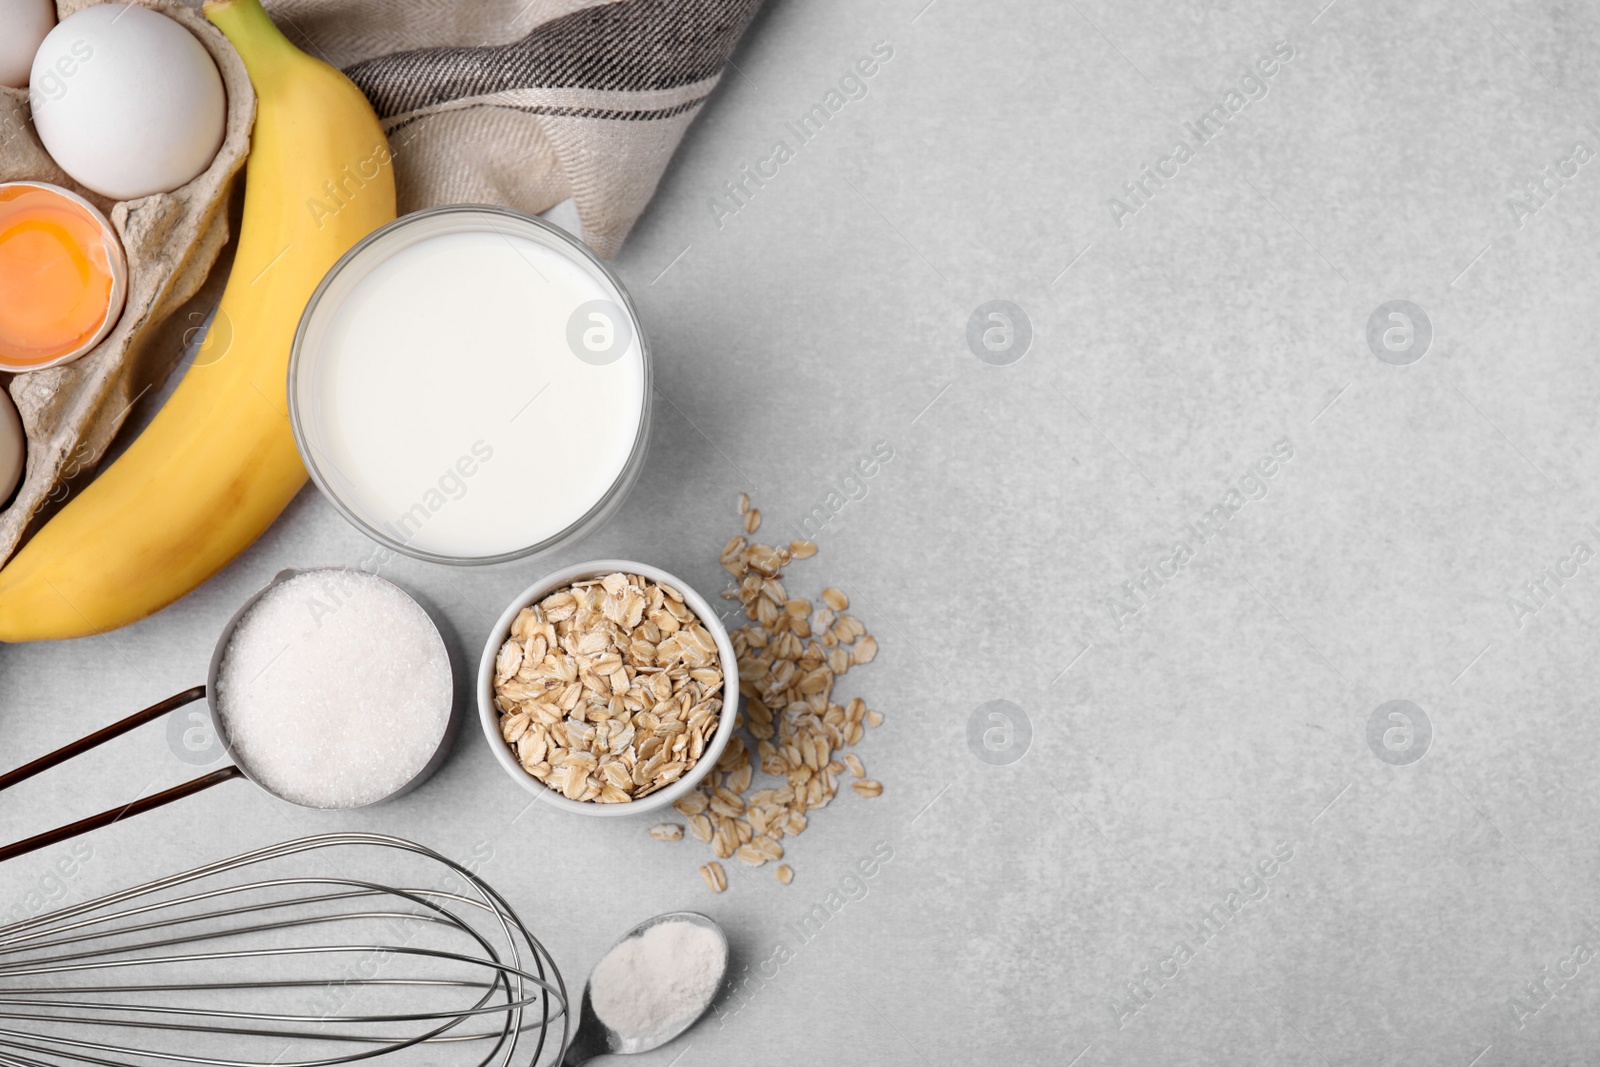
(237, 769)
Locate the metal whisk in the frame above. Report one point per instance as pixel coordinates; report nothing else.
(284, 956)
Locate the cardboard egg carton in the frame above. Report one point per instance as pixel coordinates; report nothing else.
(174, 244)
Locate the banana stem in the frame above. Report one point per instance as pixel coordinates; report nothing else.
(251, 30)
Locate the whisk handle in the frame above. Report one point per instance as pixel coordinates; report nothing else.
(106, 818)
(100, 737)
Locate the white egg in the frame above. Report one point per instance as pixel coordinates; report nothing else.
(127, 101)
(23, 24)
(13, 448)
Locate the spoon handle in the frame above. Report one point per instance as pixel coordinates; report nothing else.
(589, 1039)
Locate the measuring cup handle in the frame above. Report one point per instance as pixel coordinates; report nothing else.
(100, 737)
(106, 818)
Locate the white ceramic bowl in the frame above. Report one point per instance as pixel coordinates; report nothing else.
(489, 718)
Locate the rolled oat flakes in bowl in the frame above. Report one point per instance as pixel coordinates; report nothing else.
(602, 688)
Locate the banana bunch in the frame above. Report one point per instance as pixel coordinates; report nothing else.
(218, 463)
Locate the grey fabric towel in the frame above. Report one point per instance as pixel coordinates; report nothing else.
(526, 103)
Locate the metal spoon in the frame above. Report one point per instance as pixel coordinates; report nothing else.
(595, 1038)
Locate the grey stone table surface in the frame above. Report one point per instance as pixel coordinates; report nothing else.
(1200, 503)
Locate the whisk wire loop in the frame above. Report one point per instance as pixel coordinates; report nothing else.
(204, 967)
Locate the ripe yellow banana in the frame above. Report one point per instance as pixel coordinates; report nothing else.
(218, 463)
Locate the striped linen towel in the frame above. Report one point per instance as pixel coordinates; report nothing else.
(527, 103)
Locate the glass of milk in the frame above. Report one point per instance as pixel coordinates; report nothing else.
(470, 385)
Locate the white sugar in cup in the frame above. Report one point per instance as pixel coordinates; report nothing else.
(471, 385)
(333, 688)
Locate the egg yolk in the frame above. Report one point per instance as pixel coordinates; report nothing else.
(55, 276)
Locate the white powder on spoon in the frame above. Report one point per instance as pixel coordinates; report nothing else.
(658, 981)
(335, 689)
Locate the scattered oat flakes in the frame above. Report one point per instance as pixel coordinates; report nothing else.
(667, 831)
(690, 803)
(791, 654)
(716, 878)
(608, 689)
(868, 788)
